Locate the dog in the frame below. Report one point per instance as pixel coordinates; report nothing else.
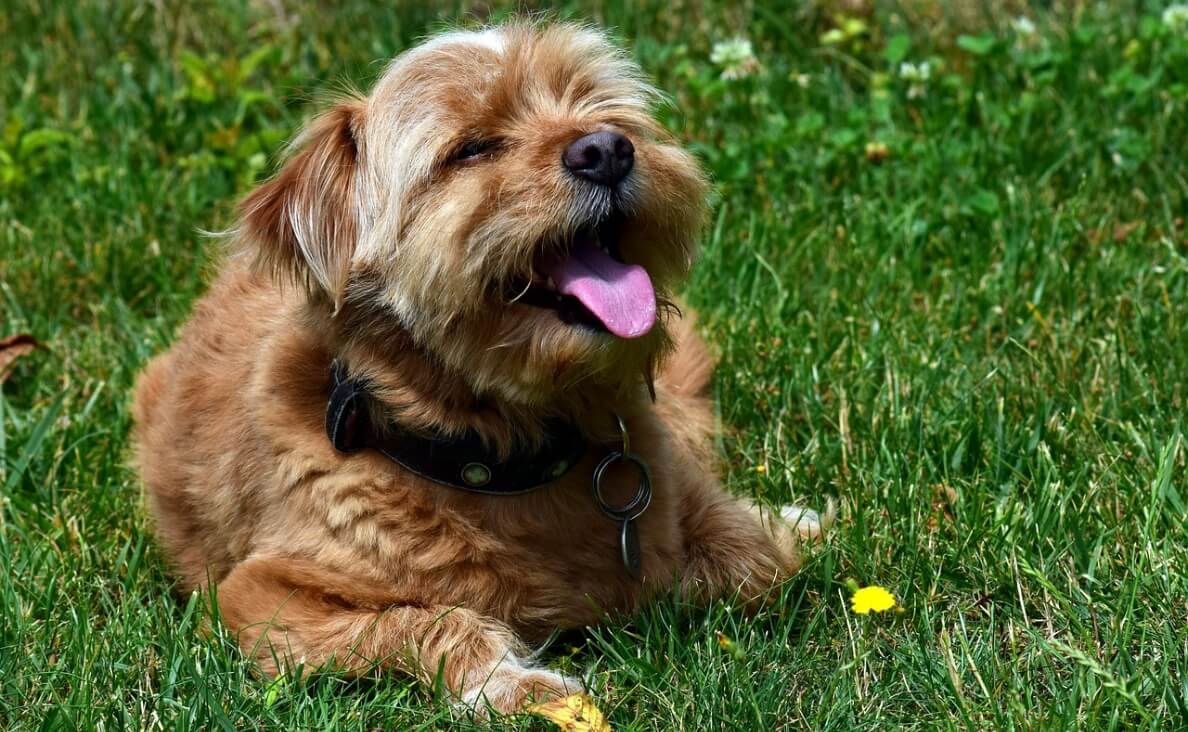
(439, 401)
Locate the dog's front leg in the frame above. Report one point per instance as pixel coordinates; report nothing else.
(288, 611)
(733, 546)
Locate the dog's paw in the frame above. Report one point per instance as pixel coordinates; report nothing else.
(807, 523)
(511, 687)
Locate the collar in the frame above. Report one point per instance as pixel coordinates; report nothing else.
(463, 462)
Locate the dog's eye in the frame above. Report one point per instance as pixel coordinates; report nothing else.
(475, 150)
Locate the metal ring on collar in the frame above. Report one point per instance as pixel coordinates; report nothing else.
(643, 494)
(624, 435)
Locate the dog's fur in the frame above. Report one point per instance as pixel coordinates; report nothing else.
(374, 246)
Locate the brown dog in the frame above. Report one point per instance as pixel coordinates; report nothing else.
(485, 247)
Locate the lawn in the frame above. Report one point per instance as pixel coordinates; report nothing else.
(947, 275)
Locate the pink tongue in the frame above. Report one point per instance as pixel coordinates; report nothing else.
(620, 295)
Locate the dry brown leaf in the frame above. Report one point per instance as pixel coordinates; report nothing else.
(1123, 231)
(13, 347)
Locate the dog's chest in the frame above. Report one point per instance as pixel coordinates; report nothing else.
(575, 576)
(549, 558)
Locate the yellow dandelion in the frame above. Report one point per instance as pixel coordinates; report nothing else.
(727, 644)
(877, 152)
(871, 599)
(574, 713)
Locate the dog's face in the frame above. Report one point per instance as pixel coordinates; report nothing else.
(507, 197)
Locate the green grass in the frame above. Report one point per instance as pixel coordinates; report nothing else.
(978, 345)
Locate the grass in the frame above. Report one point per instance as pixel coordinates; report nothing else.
(974, 337)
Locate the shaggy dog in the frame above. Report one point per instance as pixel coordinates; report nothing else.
(377, 437)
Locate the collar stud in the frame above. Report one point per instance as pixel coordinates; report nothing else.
(476, 474)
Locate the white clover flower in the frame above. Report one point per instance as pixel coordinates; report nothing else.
(1023, 26)
(736, 57)
(1176, 17)
(918, 73)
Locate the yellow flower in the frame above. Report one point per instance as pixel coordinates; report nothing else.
(871, 599)
(877, 152)
(574, 713)
(728, 645)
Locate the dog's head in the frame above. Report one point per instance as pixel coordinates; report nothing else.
(507, 198)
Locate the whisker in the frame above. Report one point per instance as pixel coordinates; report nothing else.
(523, 292)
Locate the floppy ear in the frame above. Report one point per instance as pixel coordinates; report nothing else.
(304, 222)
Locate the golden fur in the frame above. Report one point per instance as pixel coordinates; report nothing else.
(373, 246)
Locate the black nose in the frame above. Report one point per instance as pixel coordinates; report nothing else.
(603, 157)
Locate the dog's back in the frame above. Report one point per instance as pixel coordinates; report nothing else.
(688, 371)
(186, 431)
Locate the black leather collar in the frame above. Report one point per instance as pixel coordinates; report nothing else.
(464, 463)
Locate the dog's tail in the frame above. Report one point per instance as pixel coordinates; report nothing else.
(687, 372)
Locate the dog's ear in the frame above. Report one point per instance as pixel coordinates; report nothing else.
(304, 223)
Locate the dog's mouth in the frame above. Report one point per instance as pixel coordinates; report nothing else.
(588, 284)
